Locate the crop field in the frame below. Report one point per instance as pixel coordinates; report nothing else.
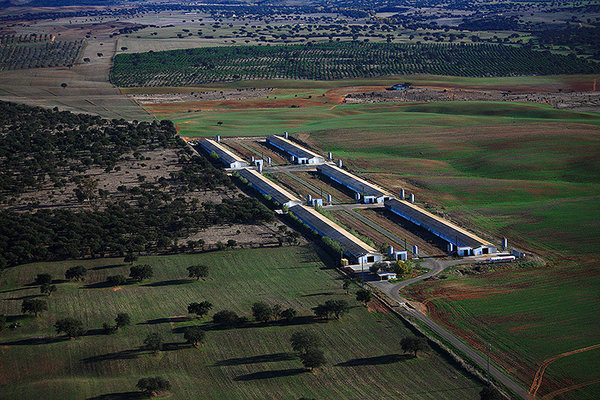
(37, 52)
(247, 362)
(527, 316)
(331, 61)
(545, 83)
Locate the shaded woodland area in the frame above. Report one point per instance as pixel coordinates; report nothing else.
(47, 147)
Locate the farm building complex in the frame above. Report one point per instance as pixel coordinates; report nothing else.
(365, 191)
(463, 242)
(225, 156)
(460, 241)
(355, 249)
(268, 187)
(297, 153)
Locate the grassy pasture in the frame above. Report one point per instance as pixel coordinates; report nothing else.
(368, 118)
(240, 363)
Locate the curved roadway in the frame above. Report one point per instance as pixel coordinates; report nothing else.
(435, 267)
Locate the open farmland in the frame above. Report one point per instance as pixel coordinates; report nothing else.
(364, 117)
(527, 172)
(247, 362)
(331, 61)
(79, 85)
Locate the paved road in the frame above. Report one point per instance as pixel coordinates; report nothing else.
(435, 267)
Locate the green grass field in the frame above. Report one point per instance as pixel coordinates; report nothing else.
(380, 118)
(243, 363)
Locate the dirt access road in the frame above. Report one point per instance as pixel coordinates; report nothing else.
(435, 267)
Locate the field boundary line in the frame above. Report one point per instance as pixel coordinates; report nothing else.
(539, 375)
(551, 395)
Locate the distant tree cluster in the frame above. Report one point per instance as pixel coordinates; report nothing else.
(332, 309)
(116, 230)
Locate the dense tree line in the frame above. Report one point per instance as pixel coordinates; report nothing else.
(336, 60)
(119, 229)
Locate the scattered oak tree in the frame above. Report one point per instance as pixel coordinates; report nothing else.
(48, 289)
(153, 386)
(288, 314)
(304, 340)
(312, 358)
(33, 306)
(413, 344)
(71, 327)
(116, 280)
(227, 319)
(200, 309)
(154, 342)
(122, 320)
(194, 335)
(363, 295)
(43, 279)
(332, 308)
(262, 312)
(141, 272)
(197, 271)
(346, 285)
(77, 273)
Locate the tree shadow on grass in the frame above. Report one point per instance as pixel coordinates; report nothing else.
(16, 318)
(256, 359)
(174, 346)
(319, 294)
(169, 283)
(120, 396)
(165, 320)
(35, 341)
(107, 267)
(97, 285)
(95, 332)
(378, 360)
(15, 290)
(300, 320)
(119, 355)
(280, 373)
(31, 296)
